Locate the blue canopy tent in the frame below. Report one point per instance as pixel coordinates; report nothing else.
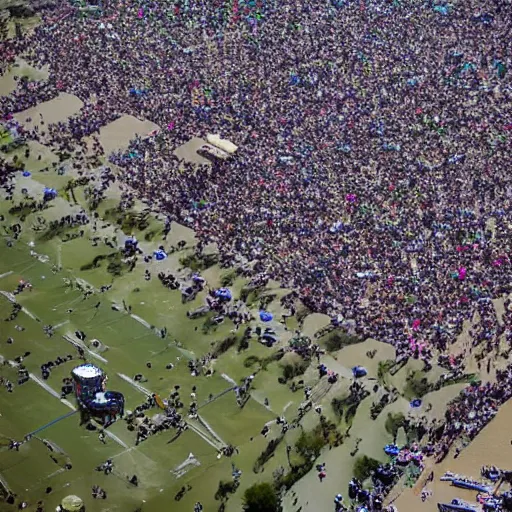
(294, 80)
(27, 174)
(392, 450)
(415, 403)
(160, 255)
(265, 316)
(130, 243)
(359, 371)
(49, 194)
(224, 294)
(137, 92)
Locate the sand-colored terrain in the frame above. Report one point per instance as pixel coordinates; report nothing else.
(118, 134)
(53, 111)
(20, 69)
(188, 151)
(491, 447)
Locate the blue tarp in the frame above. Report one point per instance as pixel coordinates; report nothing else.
(27, 174)
(265, 316)
(137, 92)
(49, 194)
(391, 449)
(223, 293)
(160, 255)
(359, 371)
(442, 9)
(130, 242)
(415, 403)
(294, 80)
(269, 339)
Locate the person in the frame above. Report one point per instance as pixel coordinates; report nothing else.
(102, 437)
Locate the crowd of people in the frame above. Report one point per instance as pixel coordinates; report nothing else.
(371, 173)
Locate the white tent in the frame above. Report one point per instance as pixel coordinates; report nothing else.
(223, 144)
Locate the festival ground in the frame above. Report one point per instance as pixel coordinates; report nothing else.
(55, 267)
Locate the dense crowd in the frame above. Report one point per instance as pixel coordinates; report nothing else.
(374, 142)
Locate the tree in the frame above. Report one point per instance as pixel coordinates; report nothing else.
(261, 498)
(310, 444)
(364, 466)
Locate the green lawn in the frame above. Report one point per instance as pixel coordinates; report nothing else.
(129, 345)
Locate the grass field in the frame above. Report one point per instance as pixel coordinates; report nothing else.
(129, 345)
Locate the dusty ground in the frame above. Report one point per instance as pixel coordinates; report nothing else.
(19, 69)
(118, 134)
(53, 111)
(493, 446)
(188, 151)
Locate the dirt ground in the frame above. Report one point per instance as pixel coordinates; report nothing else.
(118, 134)
(53, 111)
(188, 151)
(21, 68)
(491, 447)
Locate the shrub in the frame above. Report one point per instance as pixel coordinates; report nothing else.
(384, 368)
(293, 476)
(417, 385)
(243, 344)
(351, 412)
(115, 268)
(224, 345)
(224, 489)
(294, 369)
(337, 340)
(261, 498)
(302, 313)
(244, 294)
(228, 278)
(275, 356)
(150, 235)
(394, 422)
(199, 262)
(347, 406)
(310, 444)
(267, 453)
(338, 405)
(364, 466)
(95, 263)
(250, 361)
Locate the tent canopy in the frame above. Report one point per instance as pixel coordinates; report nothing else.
(223, 144)
(72, 503)
(265, 316)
